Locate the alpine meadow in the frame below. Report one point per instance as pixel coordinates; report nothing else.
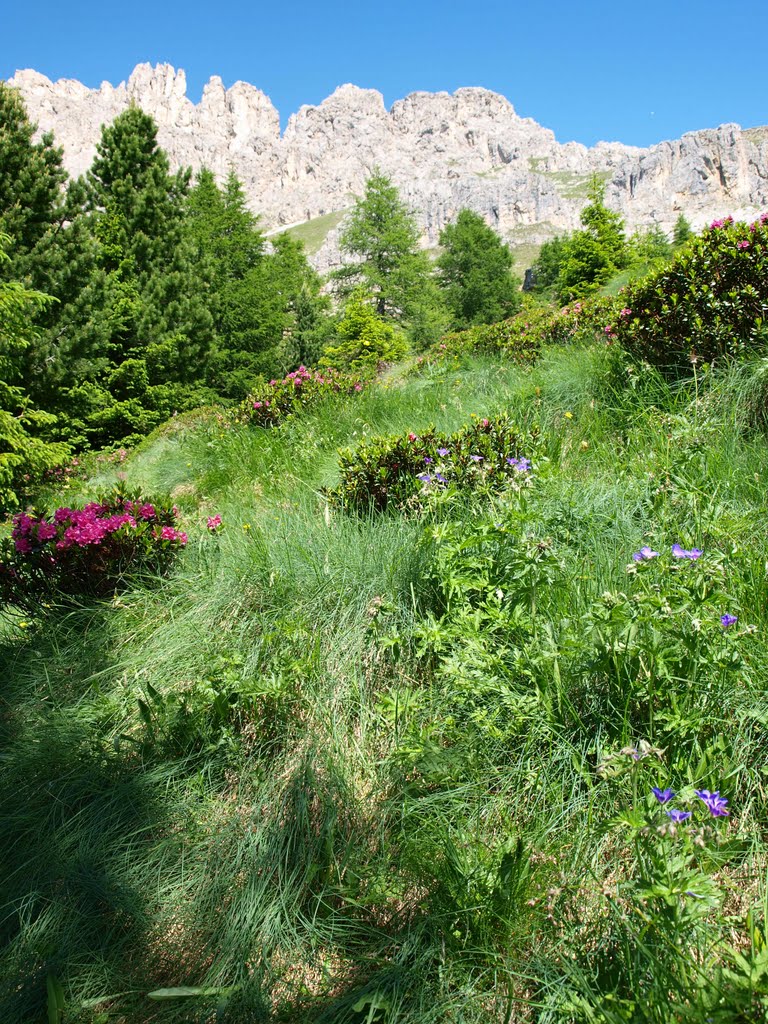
(384, 640)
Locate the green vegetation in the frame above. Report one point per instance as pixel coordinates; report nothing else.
(474, 273)
(312, 233)
(418, 749)
(381, 236)
(710, 302)
(405, 690)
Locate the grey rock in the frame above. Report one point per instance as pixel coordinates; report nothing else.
(444, 152)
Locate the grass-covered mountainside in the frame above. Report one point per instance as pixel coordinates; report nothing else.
(400, 766)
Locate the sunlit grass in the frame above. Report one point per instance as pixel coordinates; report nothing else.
(358, 841)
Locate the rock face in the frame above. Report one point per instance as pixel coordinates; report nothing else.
(444, 153)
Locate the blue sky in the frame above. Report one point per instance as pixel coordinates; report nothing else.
(633, 72)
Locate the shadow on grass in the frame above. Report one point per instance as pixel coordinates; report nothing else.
(86, 832)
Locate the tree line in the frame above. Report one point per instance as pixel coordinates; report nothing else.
(133, 293)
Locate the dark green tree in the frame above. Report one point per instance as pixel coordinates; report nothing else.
(52, 252)
(143, 350)
(382, 237)
(266, 298)
(591, 256)
(31, 183)
(25, 451)
(682, 231)
(475, 273)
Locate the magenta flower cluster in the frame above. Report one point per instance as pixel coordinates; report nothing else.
(88, 551)
(87, 526)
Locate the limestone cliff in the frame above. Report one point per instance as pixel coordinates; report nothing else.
(470, 149)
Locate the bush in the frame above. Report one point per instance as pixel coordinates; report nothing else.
(365, 339)
(521, 337)
(710, 302)
(397, 472)
(88, 552)
(296, 392)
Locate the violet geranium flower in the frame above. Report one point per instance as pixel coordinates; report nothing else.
(714, 802)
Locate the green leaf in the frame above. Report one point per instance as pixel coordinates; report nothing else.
(191, 992)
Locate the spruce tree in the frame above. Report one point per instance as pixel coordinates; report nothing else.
(591, 256)
(266, 299)
(475, 273)
(31, 197)
(682, 231)
(25, 453)
(51, 253)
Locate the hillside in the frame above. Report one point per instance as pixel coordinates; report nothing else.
(399, 767)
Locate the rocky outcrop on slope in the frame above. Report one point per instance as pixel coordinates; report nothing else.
(470, 149)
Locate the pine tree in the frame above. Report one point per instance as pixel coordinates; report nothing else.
(682, 231)
(383, 236)
(591, 256)
(52, 252)
(474, 272)
(266, 300)
(24, 453)
(31, 180)
(143, 349)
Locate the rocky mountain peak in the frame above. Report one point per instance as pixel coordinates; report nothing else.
(444, 151)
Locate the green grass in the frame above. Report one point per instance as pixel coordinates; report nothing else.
(314, 232)
(572, 184)
(398, 809)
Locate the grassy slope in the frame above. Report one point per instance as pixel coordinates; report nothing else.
(321, 852)
(313, 232)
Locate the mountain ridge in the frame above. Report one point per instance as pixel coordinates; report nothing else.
(443, 150)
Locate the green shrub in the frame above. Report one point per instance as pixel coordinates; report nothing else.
(386, 472)
(297, 392)
(521, 337)
(88, 552)
(710, 302)
(364, 338)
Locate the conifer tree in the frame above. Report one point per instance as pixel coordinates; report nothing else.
(31, 180)
(475, 273)
(51, 252)
(144, 347)
(24, 453)
(390, 266)
(682, 231)
(265, 299)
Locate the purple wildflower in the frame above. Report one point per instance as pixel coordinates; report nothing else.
(476, 458)
(440, 478)
(427, 459)
(680, 552)
(442, 452)
(662, 795)
(645, 555)
(678, 816)
(425, 478)
(715, 803)
(726, 621)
